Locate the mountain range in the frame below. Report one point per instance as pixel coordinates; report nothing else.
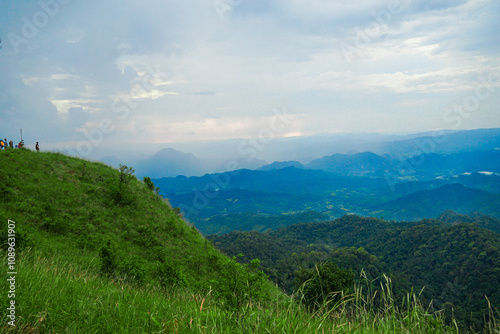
(332, 152)
(363, 184)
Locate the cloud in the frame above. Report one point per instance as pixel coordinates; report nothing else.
(174, 71)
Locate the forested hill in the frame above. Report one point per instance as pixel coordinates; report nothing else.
(221, 224)
(430, 203)
(457, 263)
(475, 218)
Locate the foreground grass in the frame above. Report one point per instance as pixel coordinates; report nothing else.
(55, 296)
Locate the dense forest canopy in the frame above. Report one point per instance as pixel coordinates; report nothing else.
(456, 263)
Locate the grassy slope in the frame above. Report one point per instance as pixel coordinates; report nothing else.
(58, 201)
(165, 276)
(66, 212)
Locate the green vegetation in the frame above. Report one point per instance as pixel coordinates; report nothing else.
(430, 203)
(97, 251)
(91, 216)
(64, 205)
(221, 224)
(292, 190)
(57, 296)
(455, 265)
(324, 284)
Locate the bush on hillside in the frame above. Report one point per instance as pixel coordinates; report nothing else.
(325, 283)
(238, 284)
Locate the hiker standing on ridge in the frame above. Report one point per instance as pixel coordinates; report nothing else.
(11, 144)
(37, 147)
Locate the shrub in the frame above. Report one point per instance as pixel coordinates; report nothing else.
(238, 284)
(325, 283)
(107, 257)
(170, 276)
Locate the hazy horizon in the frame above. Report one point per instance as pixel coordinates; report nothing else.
(253, 153)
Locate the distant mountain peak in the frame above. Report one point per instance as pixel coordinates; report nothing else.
(169, 162)
(168, 152)
(282, 164)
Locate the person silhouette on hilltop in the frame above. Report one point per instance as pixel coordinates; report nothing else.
(37, 147)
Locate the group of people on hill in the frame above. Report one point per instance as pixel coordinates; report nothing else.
(4, 144)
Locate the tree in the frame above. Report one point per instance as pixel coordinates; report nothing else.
(120, 191)
(151, 186)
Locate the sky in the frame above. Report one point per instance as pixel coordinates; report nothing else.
(82, 75)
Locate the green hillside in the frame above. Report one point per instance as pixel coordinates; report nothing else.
(64, 205)
(91, 249)
(108, 228)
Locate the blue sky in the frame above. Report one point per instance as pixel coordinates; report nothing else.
(115, 73)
